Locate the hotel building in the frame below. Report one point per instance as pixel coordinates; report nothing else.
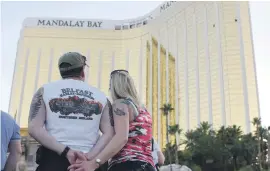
(198, 56)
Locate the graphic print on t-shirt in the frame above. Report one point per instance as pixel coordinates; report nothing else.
(69, 103)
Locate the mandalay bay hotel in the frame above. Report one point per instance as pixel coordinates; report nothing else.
(197, 56)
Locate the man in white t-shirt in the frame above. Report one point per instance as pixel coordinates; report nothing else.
(72, 113)
(157, 154)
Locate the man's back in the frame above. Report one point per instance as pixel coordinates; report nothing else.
(10, 131)
(73, 112)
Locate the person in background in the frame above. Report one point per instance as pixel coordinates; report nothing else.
(10, 141)
(73, 113)
(21, 166)
(157, 154)
(130, 148)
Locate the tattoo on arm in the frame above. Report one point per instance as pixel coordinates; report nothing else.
(36, 104)
(133, 108)
(110, 112)
(119, 112)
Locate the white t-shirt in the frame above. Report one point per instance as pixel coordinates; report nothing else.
(156, 149)
(73, 113)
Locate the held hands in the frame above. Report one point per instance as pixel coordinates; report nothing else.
(72, 156)
(82, 163)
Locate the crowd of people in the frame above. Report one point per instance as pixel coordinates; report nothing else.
(80, 129)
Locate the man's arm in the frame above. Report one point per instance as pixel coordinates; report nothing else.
(37, 116)
(14, 148)
(106, 127)
(121, 127)
(161, 157)
(14, 155)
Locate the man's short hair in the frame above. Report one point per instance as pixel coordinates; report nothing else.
(71, 64)
(76, 72)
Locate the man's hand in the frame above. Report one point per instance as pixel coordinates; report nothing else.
(84, 166)
(75, 156)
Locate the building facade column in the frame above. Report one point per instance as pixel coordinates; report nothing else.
(22, 87)
(243, 67)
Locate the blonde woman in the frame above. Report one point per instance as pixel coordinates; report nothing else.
(130, 148)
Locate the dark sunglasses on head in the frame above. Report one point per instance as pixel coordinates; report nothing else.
(119, 70)
(115, 71)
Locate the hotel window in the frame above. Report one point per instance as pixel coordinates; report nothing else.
(132, 26)
(139, 24)
(145, 22)
(118, 27)
(125, 26)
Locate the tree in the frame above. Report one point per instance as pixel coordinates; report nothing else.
(234, 136)
(226, 149)
(203, 145)
(26, 143)
(167, 108)
(204, 128)
(15, 116)
(268, 141)
(248, 147)
(257, 122)
(263, 133)
(174, 130)
(222, 137)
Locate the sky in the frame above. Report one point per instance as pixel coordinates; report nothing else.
(13, 14)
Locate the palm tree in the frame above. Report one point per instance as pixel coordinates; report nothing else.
(190, 139)
(248, 147)
(202, 145)
(263, 133)
(174, 130)
(222, 137)
(268, 141)
(235, 134)
(226, 149)
(221, 133)
(205, 127)
(26, 144)
(15, 116)
(257, 122)
(167, 108)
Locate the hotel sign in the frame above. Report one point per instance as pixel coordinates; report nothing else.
(70, 23)
(166, 5)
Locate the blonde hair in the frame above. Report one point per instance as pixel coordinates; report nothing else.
(122, 86)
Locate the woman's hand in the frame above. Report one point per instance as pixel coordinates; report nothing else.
(89, 156)
(82, 157)
(84, 166)
(79, 157)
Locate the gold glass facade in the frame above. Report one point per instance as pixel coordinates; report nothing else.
(198, 56)
(156, 105)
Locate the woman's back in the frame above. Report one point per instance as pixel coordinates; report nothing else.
(139, 146)
(133, 126)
